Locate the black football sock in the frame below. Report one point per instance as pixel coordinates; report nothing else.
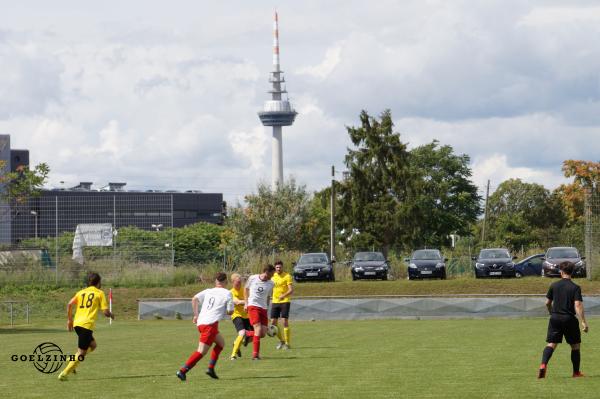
(548, 351)
(576, 360)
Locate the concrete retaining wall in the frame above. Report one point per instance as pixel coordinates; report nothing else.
(384, 307)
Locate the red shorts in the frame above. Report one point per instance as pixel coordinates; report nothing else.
(258, 315)
(208, 332)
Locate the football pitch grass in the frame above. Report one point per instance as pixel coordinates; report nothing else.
(472, 358)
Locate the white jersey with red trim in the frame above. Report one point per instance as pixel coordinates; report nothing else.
(259, 291)
(215, 304)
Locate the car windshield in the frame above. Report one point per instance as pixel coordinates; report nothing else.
(567, 253)
(427, 255)
(312, 258)
(494, 254)
(368, 256)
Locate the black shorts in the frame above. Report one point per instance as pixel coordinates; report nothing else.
(567, 326)
(242, 324)
(85, 337)
(280, 310)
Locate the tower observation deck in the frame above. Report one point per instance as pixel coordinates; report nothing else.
(277, 112)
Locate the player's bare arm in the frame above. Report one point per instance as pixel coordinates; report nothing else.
(72, 302)
(195, 309)
(581, 315)
(246, 295)
(549, 305)
(288, 293)
(238, 301)
(108, 313)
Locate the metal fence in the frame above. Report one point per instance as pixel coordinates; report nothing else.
(37, 236)
(592, 230)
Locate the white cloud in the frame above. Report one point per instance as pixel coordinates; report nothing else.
(326, 67)
(252, 146)
(497, 169)
(555, 15)
(166, 97)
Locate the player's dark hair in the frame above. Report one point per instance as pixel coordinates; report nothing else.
(268, 269)
(279, 262)
(93, 278)
(567, 267)
(221, 277)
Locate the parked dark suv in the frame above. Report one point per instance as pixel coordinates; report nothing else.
(369, 265)
(556, 255)
(314, 266)
(494, 262)
(426, 263)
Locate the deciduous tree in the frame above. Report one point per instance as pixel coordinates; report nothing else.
(376, 196)
(446, 199)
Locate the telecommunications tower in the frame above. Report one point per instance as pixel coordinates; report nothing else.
(277, 112)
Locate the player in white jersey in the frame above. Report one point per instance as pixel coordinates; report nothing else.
(258, 290)
(216, 303)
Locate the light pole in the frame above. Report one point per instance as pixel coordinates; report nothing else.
(332, 220)
(35, 218)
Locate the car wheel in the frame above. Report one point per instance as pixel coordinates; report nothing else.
(354, 278)
(443, 276)
(332, 277)
(518, 275)
(385, 277)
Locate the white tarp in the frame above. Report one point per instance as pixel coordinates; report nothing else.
(91, 235)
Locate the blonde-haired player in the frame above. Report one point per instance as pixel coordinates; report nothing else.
(280, 306)
(240, 316)
(87, 302)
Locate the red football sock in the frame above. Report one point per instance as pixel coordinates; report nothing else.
(214, 356)
(191, 362)
(255, 345)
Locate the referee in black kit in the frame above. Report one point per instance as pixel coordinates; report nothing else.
(564, 302)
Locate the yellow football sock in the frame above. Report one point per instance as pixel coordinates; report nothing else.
(71, 366)
(286, 333)
(236, 345)
(279, 334)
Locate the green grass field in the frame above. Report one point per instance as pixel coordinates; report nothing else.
(493, 358)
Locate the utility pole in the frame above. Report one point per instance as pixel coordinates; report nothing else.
(485, 214)
(332, 226)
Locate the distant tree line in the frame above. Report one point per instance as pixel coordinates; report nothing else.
(396, 199)
(391, 199)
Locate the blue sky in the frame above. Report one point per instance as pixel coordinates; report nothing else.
(165, 94)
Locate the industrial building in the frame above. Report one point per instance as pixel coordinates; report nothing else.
(59, 210)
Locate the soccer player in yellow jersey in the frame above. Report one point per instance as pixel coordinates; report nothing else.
(280, 308)
(86, 302)
(239, 316)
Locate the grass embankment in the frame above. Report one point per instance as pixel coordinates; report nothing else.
(50, 302)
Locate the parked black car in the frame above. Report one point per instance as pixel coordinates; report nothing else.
(426, 263)
(372, 265)
(556, 255)
(314, 266)
(530, 266)
(494, 262)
